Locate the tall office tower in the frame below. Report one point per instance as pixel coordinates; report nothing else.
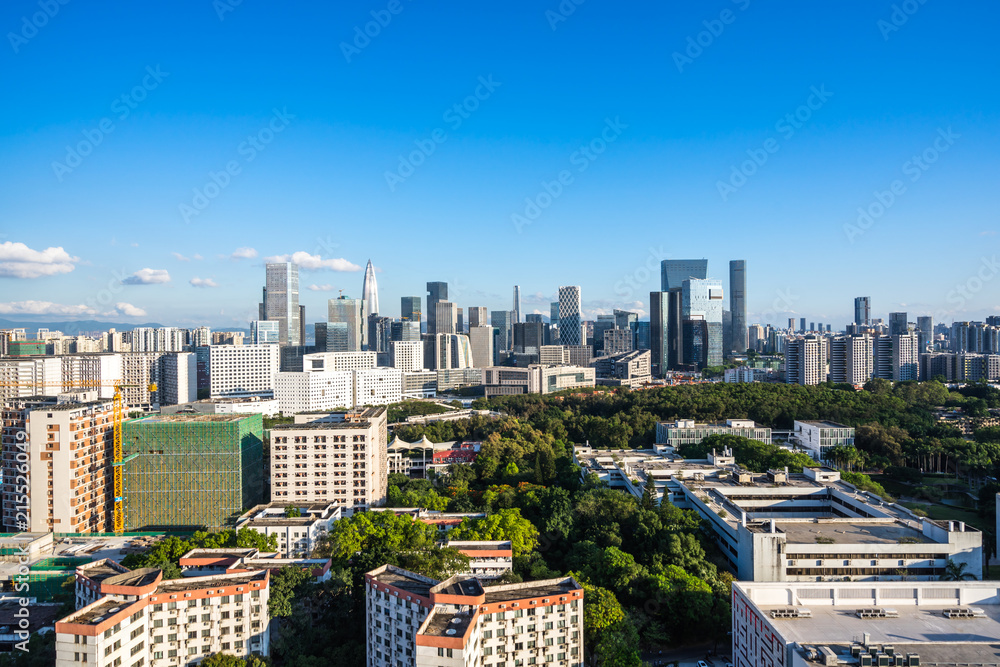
(435, 292)
(534, 317)
(528, 338)
(812, 326)
(702, 308)
(302, 325)
(673, 272)
(905, 357)
(675, 328)
(477, 317)
(727, 333)
(791, 325)
(516, 312)
(501, 321)
(379, 336)
(281, 300)
(738, 303)
(554, 312)
(409, 308)
(603, 323)
(570, 321)
(265, 331)
(459, 321)
(445, 318)
(481, 341)
(925, 329)
(757, 337)
(897, 324)
(369, 291)
(805, 360)
(641, 339)
(404, 330)
(851, 359)
(346, 324)
(658, 327)
(862, 310)
(625, 319)
(802, 325)
(959, 339)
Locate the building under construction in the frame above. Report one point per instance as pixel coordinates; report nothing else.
(191, 471)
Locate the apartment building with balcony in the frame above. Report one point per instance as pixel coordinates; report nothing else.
(298, 532)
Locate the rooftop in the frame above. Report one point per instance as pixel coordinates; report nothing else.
(406, 581)
(822, 423)
(99, 572)
(197, 583)
(98, 611)
(137, 578)
(442, 623)
(323, 426)
(852, 532)
(530, 589)
(183, 418)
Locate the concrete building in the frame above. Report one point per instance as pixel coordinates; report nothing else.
(139, 371)
(819, 437)
(408, 356)
(30, 376)
(478, 317)
(338, 458)
(191, 471)
(416, 621)
(265, 331)
(939, 623)
(805, 360)
(250, 405)
(339, 361)
(419, 384)
(445, 318)
(553, 355)
(688, 432)
(905, 357)
(629, 369)
(481, 342)
(178, 379)
(851, 359)
(535, 379)
(744, 374)
(297, 535)
(617, 341)
(487, 560)
(378, 386)
(92, 372)
(309, 391)
(140, 618)
(281, 300)
(243, 370)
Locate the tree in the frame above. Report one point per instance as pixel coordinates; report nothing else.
(506, 524)
(283, 586)
(956, 572)
(228, 660)
(292, 512)
(649, 493)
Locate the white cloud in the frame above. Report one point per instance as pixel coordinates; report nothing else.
(122, 308)
(181, 258)
(321, 288)
(148, 277)
(43, 308)
(315, 262)
(196, 256)
(203, 282)
(244, 253)
(134, 245)
(19, 261)
(988, 232)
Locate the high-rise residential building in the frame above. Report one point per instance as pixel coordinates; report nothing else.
(338, 458)
(420, 622)
(97, 372)
(345, 330)
(408, 356)
(201, 336)
(31, 376)
(436, 291)
(673, 272)
(409, 308)
(925, 329)
(178, 378)
(757, 337)
(738, 304)
(570, 316)
(862, 310)
(805, 360)
(501, 321)
(481, 341)
(310, 391)
(851, 359)
(477, 317)
(445, 318)
(265, 331)
(897, 324)
(281, 300)
(905, 357)
(369, 291)
(882, 357)
(139, 371)
(554, 312)
(702, 316)
(243, 370)
(516, 310)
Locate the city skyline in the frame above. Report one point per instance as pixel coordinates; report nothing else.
(167, 211)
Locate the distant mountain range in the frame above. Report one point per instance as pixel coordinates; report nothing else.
(72, 328)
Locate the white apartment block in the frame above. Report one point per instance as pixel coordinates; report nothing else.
(309, 391)
(408, 355)
(243, 370)
(338, 459)
(140, 619)
(378, 386)
(688, 432)
(416, 621)
(819, 437)
(178, 378)
(744, 374)
(139, 370)
(32, 376)
(805, 360)
(940, 623)
(851, 359)
(298, 535)
(905, 357)
(98, 372)
(163, 339)
(339, 361)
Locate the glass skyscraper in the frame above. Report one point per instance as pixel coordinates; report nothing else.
(569, 316)
(702, 302)
(673, 272)
(281, 301)
(738, 304)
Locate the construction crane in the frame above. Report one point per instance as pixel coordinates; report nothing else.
(118, 519)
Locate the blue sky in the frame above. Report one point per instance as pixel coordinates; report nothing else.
(671, 101)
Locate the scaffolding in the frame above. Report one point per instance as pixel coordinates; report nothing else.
(191, 471)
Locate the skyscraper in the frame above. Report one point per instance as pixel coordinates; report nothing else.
(369, 291)
(658, 327)
(570, 321)
(281, 300)
(516, 312)
(501, 321)
(346, 325)
(702, 314)
(673, 272)
(802, 325)
(738, 303)
(805, 360)
(925, 328)
(409, 308)
(445, 317)
(897, 324)
(435, 292)
(862, 309)
(477, 316)
(554, 312)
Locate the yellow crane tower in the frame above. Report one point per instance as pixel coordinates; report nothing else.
(118, 415)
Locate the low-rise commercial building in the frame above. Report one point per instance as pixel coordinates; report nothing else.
(688, 432)
(819, 437)
(299, 530)
(536, 379)
(628, 369)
